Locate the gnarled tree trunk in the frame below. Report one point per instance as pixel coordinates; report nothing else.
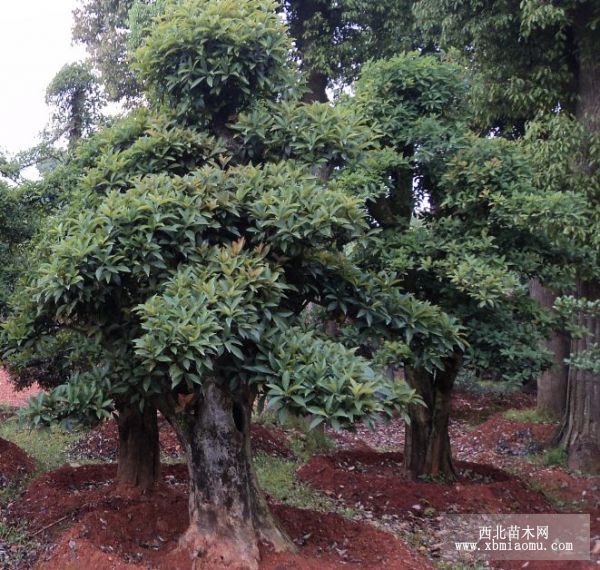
(228, 513)
(139, 448)
(427, 450)
(552, 384)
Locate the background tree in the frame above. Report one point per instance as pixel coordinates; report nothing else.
(332, 39)
(533, 58)
(102, 27)
(77, 102)
(455, 216)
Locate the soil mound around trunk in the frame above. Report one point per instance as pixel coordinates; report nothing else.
(376, 480)
(14, 463)
(96, 526)
(101, 444)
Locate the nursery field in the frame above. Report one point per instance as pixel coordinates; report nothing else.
(342, 497)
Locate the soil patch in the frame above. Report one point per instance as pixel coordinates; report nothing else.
(14, 463)
(475, 408)
(271, 440)
(376, 481)
(99, 527)
(468, 410)
(101, 443)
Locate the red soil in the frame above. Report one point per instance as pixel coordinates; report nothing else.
(14, 463)
(109, 529)
(376, 480)
(476, 408)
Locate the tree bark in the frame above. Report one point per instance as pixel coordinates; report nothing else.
(427, 450)
(139, 448)
(317, 88)
(303, 12)
(579, 433)
(552, 384)
(228, 513)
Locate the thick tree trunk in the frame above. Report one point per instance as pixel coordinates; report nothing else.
(139, 448)
(580, 430)
(427, 450)
(317, 88)
(579, 433)
(228, 513)
(303, 12)
(552, 384)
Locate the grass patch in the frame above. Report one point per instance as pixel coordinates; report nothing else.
(554, 500)
(305, 442)
(308, 442)
(468, 381)
(20, 546)
(528, 415)
(47, 446)
(278, 478)
(554, 456)
(475, 565)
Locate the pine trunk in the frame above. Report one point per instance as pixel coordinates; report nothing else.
(139, 448)
(552, 384)
(228, 513)
(427, 450)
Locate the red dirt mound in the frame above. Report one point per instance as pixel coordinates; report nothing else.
(102, 442)
(376, 480)
(14, 463)
(475, 408)
(271, 440)
(116, 531)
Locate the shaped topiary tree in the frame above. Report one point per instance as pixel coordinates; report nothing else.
(192, 274)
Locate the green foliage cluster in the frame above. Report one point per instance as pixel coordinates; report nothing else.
(319, 134)
(305, 375)
(465, 224)
(521, 52)
(86, 399)
(207, 60)
(17, 224)
(184, 264)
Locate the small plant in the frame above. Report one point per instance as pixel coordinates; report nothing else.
(529, 415)
(278, 478)
(15, 546)
(555, 456)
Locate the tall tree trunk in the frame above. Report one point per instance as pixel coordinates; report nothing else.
(228, 513)
(579, 433)
(139, 448)
(552, 384)
(427, 450)
(304, 11)
(580, 430)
